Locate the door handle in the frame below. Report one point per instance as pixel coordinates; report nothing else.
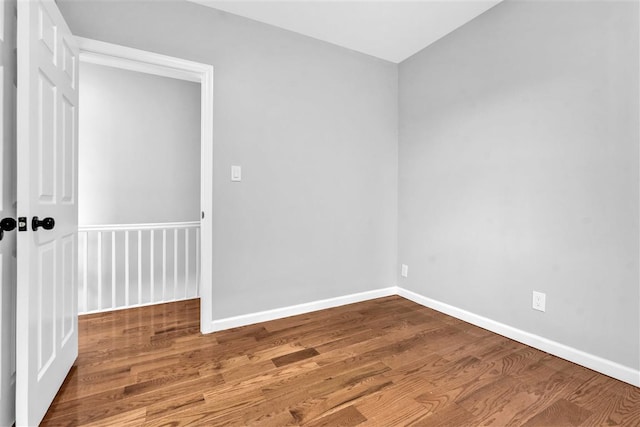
(47, 223)
(7, 224)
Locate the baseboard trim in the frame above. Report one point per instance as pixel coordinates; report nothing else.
(599, 364)
(278, 313)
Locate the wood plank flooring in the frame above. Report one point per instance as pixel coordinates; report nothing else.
(383, 362)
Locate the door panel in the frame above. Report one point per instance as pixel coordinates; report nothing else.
(47, 184)
(69, 116)
(7, 209)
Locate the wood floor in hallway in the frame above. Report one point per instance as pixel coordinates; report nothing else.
(384, 362)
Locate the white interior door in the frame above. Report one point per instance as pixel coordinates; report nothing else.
(47, 342)
(7, 209)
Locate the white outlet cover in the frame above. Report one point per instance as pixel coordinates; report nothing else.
(404, 272)
(539, 301)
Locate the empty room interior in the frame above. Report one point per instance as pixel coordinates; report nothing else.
(423, 213)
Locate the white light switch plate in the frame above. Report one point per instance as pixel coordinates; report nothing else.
(236, 173)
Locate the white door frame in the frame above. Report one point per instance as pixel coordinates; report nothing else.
(8, 194)
(101, 53)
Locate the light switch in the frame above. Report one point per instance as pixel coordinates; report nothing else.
(236, 173)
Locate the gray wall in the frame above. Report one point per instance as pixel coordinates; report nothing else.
(518, 162)
(314, 128)
(139, 156)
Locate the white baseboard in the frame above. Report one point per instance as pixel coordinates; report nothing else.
(599, 364)
(605, 366)
(278, 313)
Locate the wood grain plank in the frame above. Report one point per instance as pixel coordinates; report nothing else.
(294, 357)
(348, 416)
(560, 413)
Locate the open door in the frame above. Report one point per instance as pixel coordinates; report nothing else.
(7, 210)
(47, 178)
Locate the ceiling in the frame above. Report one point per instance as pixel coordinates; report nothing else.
(392, 30)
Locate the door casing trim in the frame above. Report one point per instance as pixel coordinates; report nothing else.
(102, 53)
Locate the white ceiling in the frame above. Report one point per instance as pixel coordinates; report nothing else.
(392, 30)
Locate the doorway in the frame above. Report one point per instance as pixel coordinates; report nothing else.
(157, 238)
(48, 58)
(138, 189)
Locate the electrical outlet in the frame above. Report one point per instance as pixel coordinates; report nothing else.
(404, 272)
(539, 301)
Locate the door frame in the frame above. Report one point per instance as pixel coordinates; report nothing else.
(101, 53)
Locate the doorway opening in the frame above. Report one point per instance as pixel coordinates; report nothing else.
(136, 263)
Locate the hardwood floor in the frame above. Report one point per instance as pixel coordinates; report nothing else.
(384, 362)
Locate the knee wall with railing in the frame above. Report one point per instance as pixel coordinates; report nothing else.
(131, 265)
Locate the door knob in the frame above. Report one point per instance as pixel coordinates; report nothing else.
(6, 224)
(47, 223)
